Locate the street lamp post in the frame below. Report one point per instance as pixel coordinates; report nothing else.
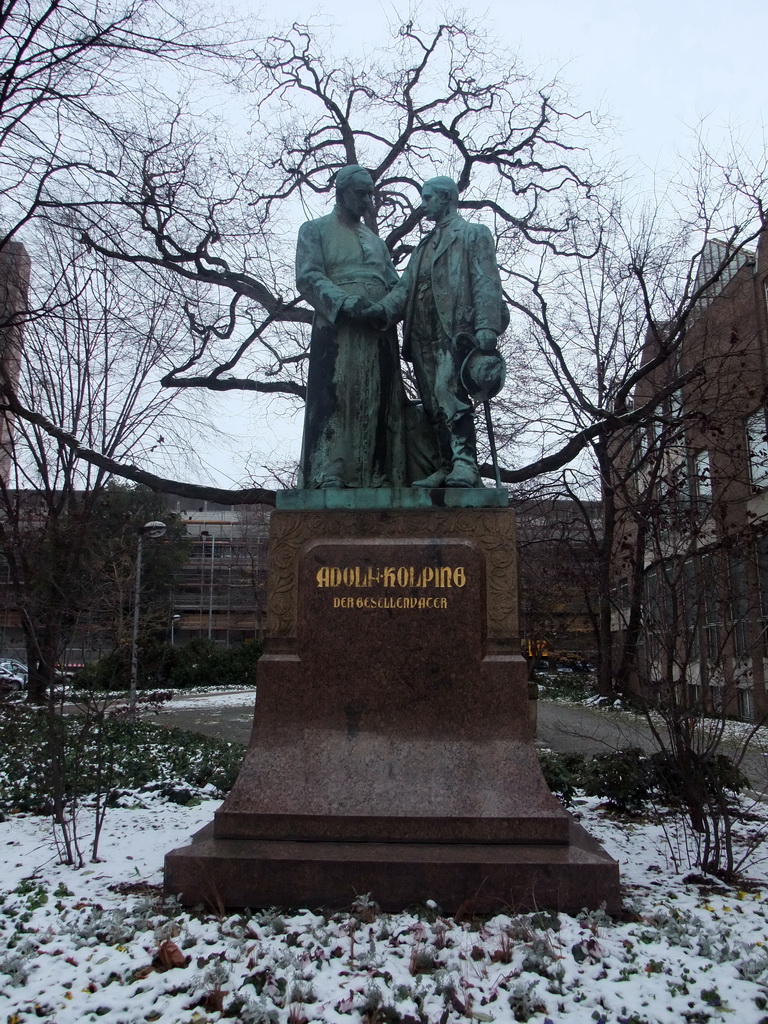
(152, 530)
(210, 592)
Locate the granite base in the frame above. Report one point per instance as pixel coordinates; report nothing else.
(461, 878)
(392, 750)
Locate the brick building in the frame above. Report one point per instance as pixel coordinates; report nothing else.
(698, 503)
(14, 287)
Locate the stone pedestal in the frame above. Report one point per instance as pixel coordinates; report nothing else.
(392, 748)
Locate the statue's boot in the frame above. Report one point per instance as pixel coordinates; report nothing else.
(464, 471)
(440, 475)
(436, 479)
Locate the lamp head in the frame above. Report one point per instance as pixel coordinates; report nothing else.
(154, 529)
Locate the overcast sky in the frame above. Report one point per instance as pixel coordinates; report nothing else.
(656, 68)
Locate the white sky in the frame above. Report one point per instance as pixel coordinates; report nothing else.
(656, 68)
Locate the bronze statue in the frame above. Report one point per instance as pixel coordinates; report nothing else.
(353, 425)
(451, 299)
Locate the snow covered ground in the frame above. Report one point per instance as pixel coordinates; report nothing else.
(221, 698)
(100, 944)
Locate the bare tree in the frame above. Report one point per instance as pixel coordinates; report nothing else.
(66, 70)
(93, 352)
(189, 199)
(606, 326)
(226, 225)
(690, 599)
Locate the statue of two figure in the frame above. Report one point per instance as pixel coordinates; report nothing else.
(359, 429)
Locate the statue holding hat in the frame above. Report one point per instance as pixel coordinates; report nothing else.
(450, 298)
(353, 424)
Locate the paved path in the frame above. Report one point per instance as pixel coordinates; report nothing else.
(573, 728)
(585, 730)
(562, 727)
(226, 716)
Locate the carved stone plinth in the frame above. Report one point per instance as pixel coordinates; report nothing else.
(392, 749)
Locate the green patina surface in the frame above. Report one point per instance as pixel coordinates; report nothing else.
(361, 432)
(393, 497)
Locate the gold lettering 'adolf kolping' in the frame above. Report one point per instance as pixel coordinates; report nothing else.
(403, 576)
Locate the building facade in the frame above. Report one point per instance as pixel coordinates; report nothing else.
(558, 590)
(218, 592)
(691, 561)
(221, 590)
(15, 270)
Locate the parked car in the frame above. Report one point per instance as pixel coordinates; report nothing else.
(13, 674)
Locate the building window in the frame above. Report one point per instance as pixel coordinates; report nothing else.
(702, 477)
(676, 403)
(641, 447)
(739, 606)
(712, 614)
(746, 703)
(652, 624)
(654, 433)
(757, 448)
(680, 483)
(762, 582)
(691, 610)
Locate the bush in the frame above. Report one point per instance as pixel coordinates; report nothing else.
(568, 686)
(717, 772)
(625, 778)
(201, 662)
(563, 773)
(133, 753)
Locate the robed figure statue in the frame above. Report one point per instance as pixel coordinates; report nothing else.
(353, 425)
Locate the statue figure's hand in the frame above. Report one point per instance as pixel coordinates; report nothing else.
(486, 340)
(375, 316)
(352, 308)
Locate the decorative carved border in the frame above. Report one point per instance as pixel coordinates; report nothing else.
(493, 530)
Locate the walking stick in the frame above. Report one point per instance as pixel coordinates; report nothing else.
(492, 442)
(467, 343)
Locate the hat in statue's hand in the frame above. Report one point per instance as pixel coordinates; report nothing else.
(483, 374)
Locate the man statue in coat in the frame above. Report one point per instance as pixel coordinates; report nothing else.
(451, 299)
(353, 423)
